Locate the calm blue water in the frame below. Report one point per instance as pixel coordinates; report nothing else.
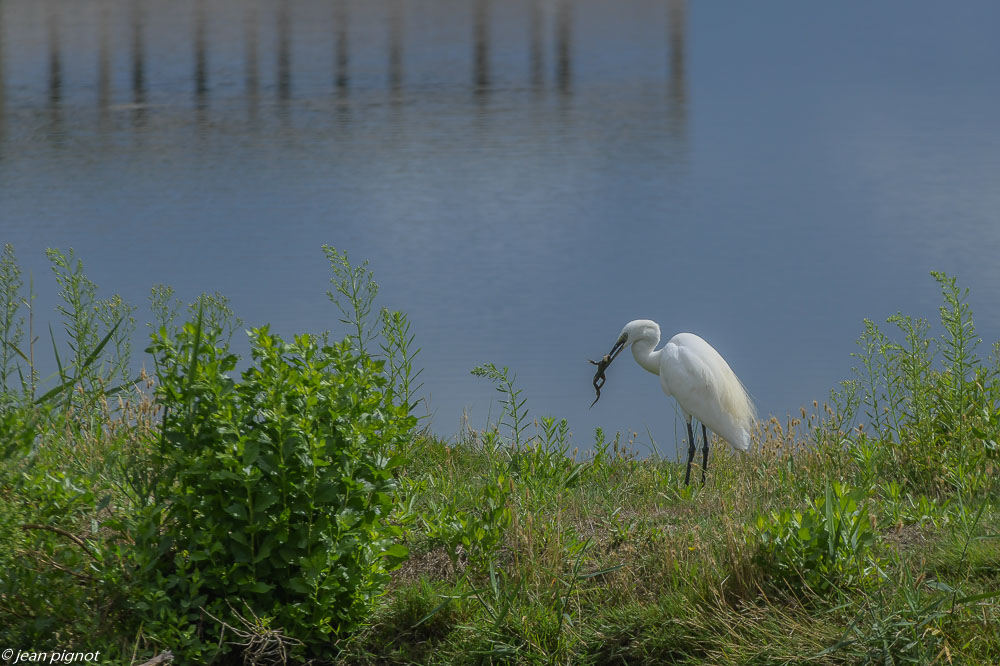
(524, 177)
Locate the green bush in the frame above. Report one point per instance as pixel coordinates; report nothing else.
(270, 508)
(931, 404)
(826, 546)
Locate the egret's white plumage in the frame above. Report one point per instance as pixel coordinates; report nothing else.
(697, 376)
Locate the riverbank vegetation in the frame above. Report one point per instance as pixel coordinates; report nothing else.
(295, 509)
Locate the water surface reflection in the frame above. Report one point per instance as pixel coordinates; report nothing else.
(525, 176)
(121, 27)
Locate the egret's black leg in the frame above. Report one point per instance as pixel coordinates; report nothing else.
(691, 448)
(704, 452)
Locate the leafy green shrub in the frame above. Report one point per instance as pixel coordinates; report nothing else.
(828, 545)
(930, 402)
(54, 457)
(273, 495)
(52, 578)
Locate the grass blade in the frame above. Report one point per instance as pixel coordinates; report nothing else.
(68, 383)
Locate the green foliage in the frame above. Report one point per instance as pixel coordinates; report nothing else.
(11, 323)
(275, 490)
(50, 574)
(530, 606)
(98, 335)
(354, 296)
(410, 625)
(19, 425)
(117, 316)
(540, 460)
(514, 415)
(265, 508)
(472, 520)
(400, 353)
(909, 509)
(911, 623)
(907, 634)
(931, 403)
(16, 357)
(90, 324)
(55, 588)
(262, 511)
(217, 315)
(60, 581)
(79, 313)
(828, 545)
(356, 285)
(164, 306)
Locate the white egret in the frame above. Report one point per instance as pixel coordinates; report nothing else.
(698, 378)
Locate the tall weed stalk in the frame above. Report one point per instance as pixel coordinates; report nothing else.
(11, 322)
(930, 401)
(354, 295)
(354, 292)
(98, 334)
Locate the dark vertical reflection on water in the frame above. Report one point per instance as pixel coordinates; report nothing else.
(3, 83)
(481, 48)
(537, 48)
(341, 18)
(677, 83)
(252, 82)
(284, 73)
(103, 65)
(138, 64)
(395, 47)
(55, 62)
(200, 56)
(55, 78)
(564, 46)
(342, 77)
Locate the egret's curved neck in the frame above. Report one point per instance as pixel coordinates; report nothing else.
(645, 356)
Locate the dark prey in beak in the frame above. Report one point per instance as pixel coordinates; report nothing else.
(599, 378)
(602, 365)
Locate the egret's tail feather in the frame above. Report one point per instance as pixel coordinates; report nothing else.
(743, 442)
(740, 408)
(736, 401)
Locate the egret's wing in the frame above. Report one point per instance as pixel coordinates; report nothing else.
(707, 388)
(692, 379)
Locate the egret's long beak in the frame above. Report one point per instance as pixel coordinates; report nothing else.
(617, 349)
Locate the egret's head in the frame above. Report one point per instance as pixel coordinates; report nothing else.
(634, 331)
(640, 329)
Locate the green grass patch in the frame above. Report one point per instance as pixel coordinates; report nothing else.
(293, 511)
